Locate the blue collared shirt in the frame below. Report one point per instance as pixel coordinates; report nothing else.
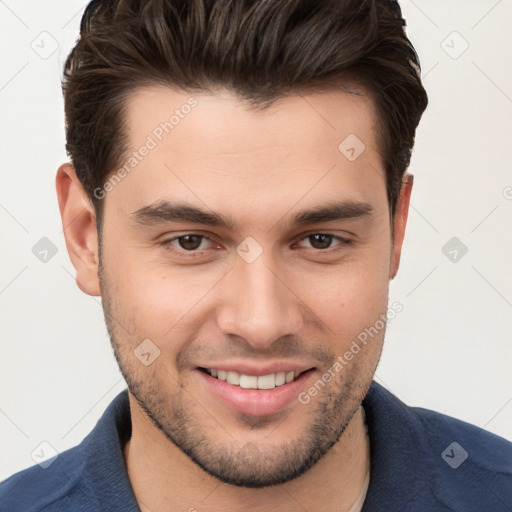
(421, 461)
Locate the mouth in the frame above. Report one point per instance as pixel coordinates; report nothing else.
(270, 381)
(255, 395)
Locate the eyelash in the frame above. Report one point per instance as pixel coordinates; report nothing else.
(167, 244)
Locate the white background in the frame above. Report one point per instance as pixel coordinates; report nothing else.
(449, 349)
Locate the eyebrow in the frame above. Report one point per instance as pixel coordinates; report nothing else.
(166, 211)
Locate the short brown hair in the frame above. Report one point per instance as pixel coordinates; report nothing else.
(260, 50)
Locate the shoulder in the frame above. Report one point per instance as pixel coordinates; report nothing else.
(58, 487)
(87, 478)
(463, 442)
(434, 461)
(470, 444)
(473, 467)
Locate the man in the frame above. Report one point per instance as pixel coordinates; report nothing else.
(238, 197)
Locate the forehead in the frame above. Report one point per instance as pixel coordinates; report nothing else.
(220, 122)
(211, 147)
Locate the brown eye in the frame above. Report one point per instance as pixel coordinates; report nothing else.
(320, 240)
(189, 245)
(190, 242)
(324, 242)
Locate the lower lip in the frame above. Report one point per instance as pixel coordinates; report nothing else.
(257, 402)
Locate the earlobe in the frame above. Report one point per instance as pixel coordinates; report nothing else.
(79, 228)
(399, 223)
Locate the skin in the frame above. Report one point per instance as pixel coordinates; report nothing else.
(298, 301)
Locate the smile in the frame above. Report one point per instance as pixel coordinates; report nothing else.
(269, 381)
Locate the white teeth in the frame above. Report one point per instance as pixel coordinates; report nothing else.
(280, 378)
(233, 378)
(253, 382)
(248, 382)
(267, 381)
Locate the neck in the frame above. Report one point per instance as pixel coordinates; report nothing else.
(164, 479)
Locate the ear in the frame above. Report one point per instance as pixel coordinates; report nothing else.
(79, 225)
(399, 223)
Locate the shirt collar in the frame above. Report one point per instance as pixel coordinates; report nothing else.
(401, 460)
(103, 451)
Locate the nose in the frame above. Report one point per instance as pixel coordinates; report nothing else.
(260, 304)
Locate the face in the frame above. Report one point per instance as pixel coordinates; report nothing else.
(255, 247)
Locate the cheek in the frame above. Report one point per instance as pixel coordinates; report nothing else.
(349, 296)
(160, 301)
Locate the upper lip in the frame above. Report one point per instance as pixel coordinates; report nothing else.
(245, 368)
